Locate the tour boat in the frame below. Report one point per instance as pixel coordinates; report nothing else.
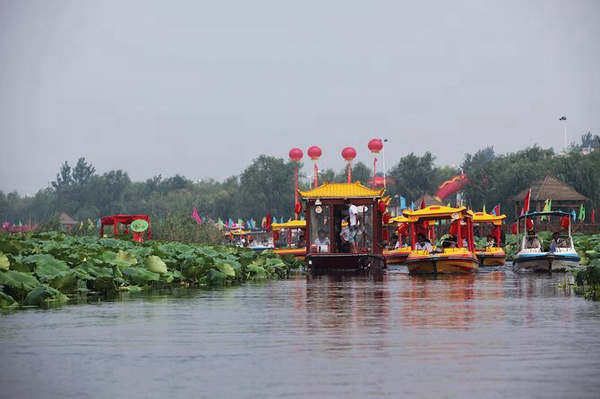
(492, 255)
(451, 256)
(325, 212)
(536, 255)
(397, 256)
(287, 236)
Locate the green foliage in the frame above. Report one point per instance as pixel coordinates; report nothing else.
(40, 269)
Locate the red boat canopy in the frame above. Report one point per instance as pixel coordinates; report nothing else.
(126, 220)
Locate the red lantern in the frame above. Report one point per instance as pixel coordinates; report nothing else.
(381, 206)
(386, 218)
(296, 154)
(565, 221)
(314, 153)
(349, 154)
(298, 207)
(529, 224)
(375, 145)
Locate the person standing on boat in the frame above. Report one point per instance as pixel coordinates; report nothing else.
(353, 226)
(345, 235)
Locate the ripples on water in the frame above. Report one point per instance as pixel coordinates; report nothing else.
(493, 334)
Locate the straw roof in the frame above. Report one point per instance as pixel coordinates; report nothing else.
(66, 219)
(430, 200)
(551, 188)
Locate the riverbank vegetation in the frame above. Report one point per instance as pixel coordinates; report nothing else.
(266, 186)
(38, 269)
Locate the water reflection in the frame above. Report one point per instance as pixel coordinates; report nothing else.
(494, 334)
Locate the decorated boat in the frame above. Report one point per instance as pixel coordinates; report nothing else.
(326, 210)
(556, 255)
(398, 250)
(492, 254)
(289, 238)
(455, 250)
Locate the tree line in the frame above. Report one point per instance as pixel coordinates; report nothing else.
(267, 185)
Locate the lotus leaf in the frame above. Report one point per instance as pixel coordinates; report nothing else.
(40, 295)
(66, 283)
(6, 300)
(257, 271)
(89, 271)
(126, 258)
(4, 262)
(156, 265)
(140, 276)
(48, 267)
(226, 269)
(18, 280)
(215, 277)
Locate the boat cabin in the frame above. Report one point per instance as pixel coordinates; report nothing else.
(456, 223)
(327, 218)
(482, 222)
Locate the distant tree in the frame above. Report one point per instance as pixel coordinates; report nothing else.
(413, 176)
(63, 178)
(82, 171)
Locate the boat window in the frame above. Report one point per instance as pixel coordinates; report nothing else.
(320, 229)
(365, 228)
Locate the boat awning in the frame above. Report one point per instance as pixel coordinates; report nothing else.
(294, 224)
(398, 220)
(342, 190)
(437, 212)
(482, 217)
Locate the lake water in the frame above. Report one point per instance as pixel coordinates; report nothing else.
(489, 335)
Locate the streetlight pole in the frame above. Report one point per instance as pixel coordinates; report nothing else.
(383, 154)
(564, 119)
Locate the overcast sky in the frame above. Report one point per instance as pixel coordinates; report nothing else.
(201, 88)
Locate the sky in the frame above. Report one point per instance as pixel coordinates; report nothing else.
(202, 88)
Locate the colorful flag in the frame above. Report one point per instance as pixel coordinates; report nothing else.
(412, 206)
(196, 217)
(423, 203)
(544, 217)
(496, 210)
(402, 203)
(240, 223)
(274, 219)
(582, 212)
(574, 215)
(484, 209)
(526, 202)
(220, 224)
(263, 223)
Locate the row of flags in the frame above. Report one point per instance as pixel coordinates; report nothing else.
(229, 223)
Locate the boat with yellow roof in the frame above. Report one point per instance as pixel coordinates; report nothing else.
(289, 238)
(326, 210)
(492, 254)
(455, 254)
(399, 253)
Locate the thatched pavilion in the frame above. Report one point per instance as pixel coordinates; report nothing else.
(564, 197)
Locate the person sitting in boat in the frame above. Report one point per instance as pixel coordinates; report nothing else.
(490, 241)
(532, 240)
(301, 243)
(557, 242)
(423, 244)
(322, 241)
(448, 241)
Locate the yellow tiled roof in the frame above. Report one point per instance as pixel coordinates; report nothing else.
(294, 224)
(436, 212)
(342, 190)
(480, 217)
(398, 220)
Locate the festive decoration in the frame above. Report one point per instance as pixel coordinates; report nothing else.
(296, 155)
(298, 207)
(315, 153)
(375, 145)
(349, 154)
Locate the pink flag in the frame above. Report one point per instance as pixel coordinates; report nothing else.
(196, 217)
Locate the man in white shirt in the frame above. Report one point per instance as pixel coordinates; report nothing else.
(353, 226)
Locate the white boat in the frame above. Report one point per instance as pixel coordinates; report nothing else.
(535, 255)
